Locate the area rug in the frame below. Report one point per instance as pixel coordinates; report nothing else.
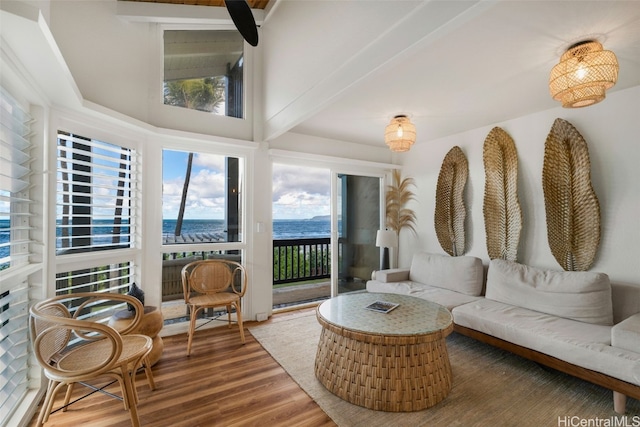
(491, 387)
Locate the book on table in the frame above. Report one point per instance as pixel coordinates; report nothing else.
(382, 306)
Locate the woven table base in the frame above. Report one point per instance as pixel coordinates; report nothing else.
(395, 374)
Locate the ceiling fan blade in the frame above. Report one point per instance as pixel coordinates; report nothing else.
(243, 19)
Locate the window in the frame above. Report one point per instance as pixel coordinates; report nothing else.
(203, 70)
(95, 191)
(15, 252)
(201, 198)
(96, 199)
(114, 278)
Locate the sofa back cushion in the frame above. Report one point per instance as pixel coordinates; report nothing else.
(577, 295)
(462, 274)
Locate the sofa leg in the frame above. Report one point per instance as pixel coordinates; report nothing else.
(619, 402)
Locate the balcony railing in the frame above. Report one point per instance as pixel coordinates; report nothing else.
(294, 260)
(297, 260)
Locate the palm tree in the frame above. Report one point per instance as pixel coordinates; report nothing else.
(183, 200)
(197, 94)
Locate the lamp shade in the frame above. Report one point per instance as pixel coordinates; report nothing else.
(400, 134)
(583, 75)
(386, 239)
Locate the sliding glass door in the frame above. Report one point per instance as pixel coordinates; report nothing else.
(355, 221)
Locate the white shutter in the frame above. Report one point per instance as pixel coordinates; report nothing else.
(15, 251)
(116, 278)
(96, 188)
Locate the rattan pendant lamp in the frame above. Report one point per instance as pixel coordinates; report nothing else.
(583, 75)
(400, 134)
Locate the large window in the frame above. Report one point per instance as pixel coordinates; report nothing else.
(201, 200)
(203, 70)
(202, 213)
(95, 191)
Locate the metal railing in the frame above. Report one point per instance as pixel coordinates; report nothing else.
(296, 260)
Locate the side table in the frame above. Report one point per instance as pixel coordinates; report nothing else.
(150, 325)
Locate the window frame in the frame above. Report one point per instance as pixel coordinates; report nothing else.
(96, 185)
(183, 119)
(87, 126)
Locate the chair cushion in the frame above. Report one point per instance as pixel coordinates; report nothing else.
(461, 274)
(577, 295)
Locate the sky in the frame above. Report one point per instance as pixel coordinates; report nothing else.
(298, 192)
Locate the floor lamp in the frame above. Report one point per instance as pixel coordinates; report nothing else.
(386, 239)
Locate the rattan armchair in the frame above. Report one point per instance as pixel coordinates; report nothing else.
(213, 283)
(73, 345)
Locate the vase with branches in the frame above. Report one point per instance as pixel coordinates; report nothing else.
(399, 194)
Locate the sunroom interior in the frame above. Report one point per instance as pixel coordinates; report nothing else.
(316, 92)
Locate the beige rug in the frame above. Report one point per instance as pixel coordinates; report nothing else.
(490, 387)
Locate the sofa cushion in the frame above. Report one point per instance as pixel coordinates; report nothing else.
(626, 334)
(580, 343)
(577, 295)
(392, 275)
(461, 274)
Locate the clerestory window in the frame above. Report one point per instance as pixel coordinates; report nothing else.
(203, 70)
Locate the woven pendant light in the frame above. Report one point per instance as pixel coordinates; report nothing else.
(400, 134)
(583, 75)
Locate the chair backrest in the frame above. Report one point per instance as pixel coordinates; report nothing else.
(213, 276)
(47, 329)
(56, 340)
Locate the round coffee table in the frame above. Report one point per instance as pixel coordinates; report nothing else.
(394, 361)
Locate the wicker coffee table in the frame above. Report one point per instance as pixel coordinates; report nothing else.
(394, 361)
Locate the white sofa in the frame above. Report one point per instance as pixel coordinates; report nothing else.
(576, 322)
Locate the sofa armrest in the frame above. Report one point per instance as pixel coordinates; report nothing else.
(626, 334)
(392, 275)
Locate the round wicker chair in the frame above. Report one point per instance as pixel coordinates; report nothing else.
(73, 348)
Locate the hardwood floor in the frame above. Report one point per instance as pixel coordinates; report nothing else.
(222, 383)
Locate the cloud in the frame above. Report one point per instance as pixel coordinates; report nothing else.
(288, 179)
(300, 192)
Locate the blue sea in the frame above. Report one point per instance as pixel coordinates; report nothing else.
(282, 229)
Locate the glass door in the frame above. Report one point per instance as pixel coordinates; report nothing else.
(356, 218)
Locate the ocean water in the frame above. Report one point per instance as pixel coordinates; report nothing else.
(282, 229)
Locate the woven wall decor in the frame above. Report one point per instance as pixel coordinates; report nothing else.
(501, 208)
(450, 210)
(571, 205)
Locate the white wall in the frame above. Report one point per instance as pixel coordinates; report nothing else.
(611, 130)
(117, 63)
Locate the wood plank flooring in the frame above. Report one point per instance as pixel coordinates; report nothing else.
(222, 383)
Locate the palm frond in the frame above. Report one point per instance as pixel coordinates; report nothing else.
(398, 194)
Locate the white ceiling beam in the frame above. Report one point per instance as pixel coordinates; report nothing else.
(424, 24)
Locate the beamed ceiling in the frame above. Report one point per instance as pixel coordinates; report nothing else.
(342, 69)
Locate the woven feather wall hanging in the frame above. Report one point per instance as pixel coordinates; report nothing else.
(571, 204)
(501, 208)
(450, 211)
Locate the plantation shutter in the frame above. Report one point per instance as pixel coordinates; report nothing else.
(96, 187)
(15, 251)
